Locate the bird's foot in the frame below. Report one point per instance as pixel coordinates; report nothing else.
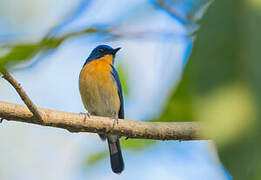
(115, 120)
(86, 115)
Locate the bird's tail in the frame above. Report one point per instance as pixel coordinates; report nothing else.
(117, 163)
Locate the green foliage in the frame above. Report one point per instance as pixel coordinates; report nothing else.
(136, 145)
(221, 85)
(96, 157)
(180, 105)
(124, 80)
(219, 111)
(24, 52)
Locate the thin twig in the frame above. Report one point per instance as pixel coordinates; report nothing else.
(103, 125)
(7, 76)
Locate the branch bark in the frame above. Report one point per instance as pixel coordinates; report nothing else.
(7, 76)
(81, 123)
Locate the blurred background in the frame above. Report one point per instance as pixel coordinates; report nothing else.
(181, 60)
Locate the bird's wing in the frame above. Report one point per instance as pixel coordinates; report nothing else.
(117, 79)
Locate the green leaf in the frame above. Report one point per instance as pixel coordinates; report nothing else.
(96, 157)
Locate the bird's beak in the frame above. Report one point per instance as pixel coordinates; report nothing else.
(114, 51)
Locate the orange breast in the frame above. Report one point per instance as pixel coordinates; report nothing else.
(98, 89)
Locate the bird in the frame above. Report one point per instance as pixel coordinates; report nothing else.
(101, 94)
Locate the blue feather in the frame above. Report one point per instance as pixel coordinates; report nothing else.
(117, 79)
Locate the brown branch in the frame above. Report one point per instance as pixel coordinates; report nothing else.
(81, 123)
(7, 76)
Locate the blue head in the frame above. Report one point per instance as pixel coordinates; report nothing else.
(101, 51)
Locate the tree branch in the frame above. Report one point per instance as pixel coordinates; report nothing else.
(102, 125)
(22, 94)
(81, 123)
